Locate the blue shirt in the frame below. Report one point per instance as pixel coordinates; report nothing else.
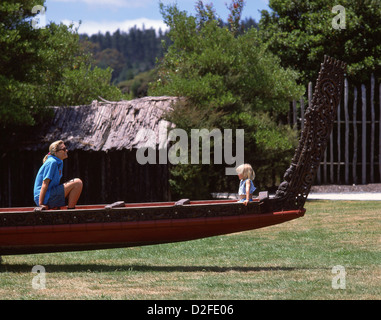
(51, 169)
(242, 187)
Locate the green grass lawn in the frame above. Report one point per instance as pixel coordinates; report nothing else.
(288, 261)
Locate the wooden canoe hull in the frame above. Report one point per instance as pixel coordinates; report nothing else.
(93, 235)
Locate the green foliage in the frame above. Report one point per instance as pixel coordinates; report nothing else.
(138, 86)
(43, 67)
(79, 85)
(17, 46)
(230, 81)
(301, 32)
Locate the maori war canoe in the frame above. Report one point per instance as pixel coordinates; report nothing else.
(27, 231)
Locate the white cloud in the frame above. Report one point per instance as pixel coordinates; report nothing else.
(93, 27)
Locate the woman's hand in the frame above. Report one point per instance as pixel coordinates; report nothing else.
(41, 208)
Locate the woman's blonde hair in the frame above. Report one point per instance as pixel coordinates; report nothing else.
(247, 171)
(54, 147)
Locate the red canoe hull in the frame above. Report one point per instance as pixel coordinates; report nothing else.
(105, 235)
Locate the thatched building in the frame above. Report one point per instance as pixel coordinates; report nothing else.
(102, 141)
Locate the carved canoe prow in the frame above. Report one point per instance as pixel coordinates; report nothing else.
(318, 124)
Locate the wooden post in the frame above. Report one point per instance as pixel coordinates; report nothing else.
(310, 93)
(338, 143)
(346, 116)
(363, 159)
(331, 157)
(302, 113)
(354, 167)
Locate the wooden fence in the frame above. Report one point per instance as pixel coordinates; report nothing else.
(353, 154)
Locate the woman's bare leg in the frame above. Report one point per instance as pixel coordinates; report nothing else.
(73, 189)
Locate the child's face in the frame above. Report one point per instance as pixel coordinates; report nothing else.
(240, 176)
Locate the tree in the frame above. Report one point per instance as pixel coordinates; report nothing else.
(302, 32)
(230, 81)
(43, 67)
(111, 58)
(138, 86)
(17, 60)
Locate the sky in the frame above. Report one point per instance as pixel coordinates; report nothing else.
(111, 15)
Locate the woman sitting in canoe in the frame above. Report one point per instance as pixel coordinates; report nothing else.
(48, 192)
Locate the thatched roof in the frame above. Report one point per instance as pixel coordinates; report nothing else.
(104, 126)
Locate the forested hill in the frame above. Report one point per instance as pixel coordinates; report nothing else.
(132, 54)
(127, 53)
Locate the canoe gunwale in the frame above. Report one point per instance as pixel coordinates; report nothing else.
(130, 213)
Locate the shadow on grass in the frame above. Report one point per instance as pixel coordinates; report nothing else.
(54, 268)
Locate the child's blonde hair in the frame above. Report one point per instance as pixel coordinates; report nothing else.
(54, 147)
(247, 171)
